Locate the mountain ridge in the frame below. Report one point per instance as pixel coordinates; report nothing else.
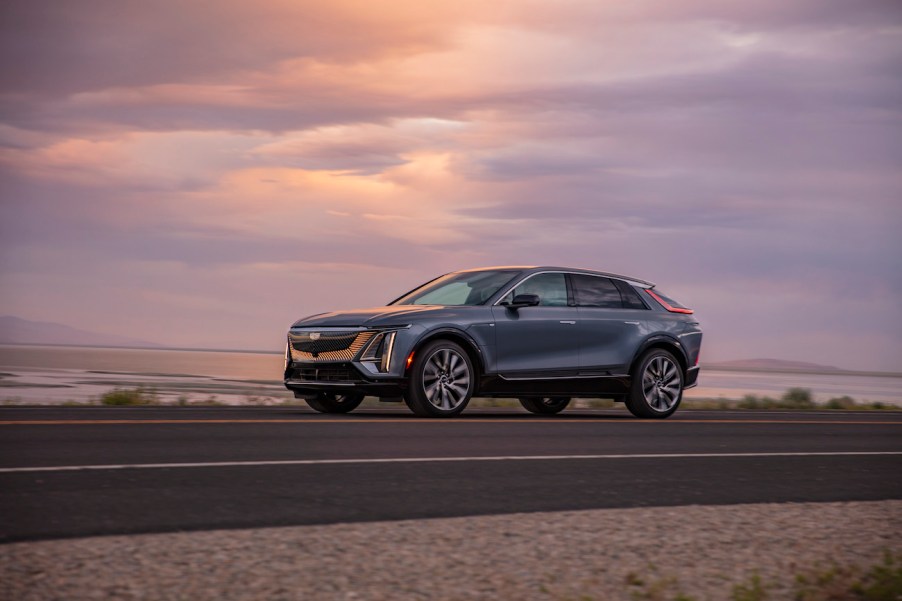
(772, 364)
(16, 330)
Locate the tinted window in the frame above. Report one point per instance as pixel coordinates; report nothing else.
(551, 289)
(592, 291)
(631, 298)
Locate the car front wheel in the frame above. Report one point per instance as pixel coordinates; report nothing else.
(335, 403)
(657, 385)
(442, 380)
(545, 406)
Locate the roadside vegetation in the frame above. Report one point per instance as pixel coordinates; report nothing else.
(130, 397)
(794, 399)
(880, 582)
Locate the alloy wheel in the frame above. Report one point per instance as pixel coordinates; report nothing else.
(446, 379)
(661, 384)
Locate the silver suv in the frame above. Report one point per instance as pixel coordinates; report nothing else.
(541, 334)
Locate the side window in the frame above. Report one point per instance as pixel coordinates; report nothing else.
(593, 291)
(551, 289)
(631, 298)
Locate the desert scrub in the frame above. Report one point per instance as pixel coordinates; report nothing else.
(753, 590)
(600, 403)
(493, 402)
(847, 403)
(130, 396)
(794, 398)
(843, 403)
(882, 582)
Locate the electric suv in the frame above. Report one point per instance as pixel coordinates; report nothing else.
(543, 335)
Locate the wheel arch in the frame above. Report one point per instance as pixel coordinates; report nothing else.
(460, 337)
(666, 343)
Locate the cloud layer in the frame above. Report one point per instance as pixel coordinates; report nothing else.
(203, 174)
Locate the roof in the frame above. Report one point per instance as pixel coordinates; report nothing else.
(538, 269)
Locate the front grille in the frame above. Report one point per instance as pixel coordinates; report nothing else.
(325, 341)
(331, 373)
(328, 346)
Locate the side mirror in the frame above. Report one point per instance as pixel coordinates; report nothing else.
(524, 300)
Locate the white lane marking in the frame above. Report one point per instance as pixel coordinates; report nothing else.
(145, 466)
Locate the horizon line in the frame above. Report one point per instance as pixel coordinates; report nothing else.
(714, 366)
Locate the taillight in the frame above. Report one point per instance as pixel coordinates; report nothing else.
(667, 305)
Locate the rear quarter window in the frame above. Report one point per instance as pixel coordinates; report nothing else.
(631, 298)
(594, 291)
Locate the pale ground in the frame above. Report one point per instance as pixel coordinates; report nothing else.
(643, 553)
(30, 385)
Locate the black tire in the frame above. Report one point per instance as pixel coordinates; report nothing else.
(545, 406)
(657, 385)
(335, 403)
(442, 380)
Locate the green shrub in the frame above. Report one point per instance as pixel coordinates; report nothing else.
(600, 403)
(841, 402)
(130, 396)
(750, 401)
(493, 402)
(797, 398)
(883, 582)
(753, 590)
(794, 398)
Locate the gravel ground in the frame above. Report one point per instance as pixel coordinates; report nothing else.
(645, 553)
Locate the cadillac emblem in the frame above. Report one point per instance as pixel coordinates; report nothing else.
(314, 336)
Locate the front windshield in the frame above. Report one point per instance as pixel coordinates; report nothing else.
(463, 288)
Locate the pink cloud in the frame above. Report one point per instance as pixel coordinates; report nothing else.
(174, 168)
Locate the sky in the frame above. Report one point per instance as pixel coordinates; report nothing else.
(201, 174)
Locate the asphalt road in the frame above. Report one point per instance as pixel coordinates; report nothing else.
(67, 472)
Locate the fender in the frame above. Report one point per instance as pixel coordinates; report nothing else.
(661, 339)
(458, 333)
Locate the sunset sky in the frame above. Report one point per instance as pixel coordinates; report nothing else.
(200, 174)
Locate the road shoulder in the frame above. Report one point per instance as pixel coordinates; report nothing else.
(701, 552)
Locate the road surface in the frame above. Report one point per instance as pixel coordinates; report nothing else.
(68, 472)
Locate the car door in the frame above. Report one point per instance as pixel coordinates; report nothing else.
(609, 333)
(535, 340)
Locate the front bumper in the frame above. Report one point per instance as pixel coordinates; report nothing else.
(309, 379)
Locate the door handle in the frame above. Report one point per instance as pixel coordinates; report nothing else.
(568, 322)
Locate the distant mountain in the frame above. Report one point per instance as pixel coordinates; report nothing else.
(772, 364)
(15, 330)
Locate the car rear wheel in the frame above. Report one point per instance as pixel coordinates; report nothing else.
(657, 385)
(442, 380)
(335, 403)
(545, 406)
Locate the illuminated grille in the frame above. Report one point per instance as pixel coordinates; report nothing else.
(329, 346)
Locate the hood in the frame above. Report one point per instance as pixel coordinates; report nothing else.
(376, 316)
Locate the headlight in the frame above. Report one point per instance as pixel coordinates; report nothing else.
(379, 350)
